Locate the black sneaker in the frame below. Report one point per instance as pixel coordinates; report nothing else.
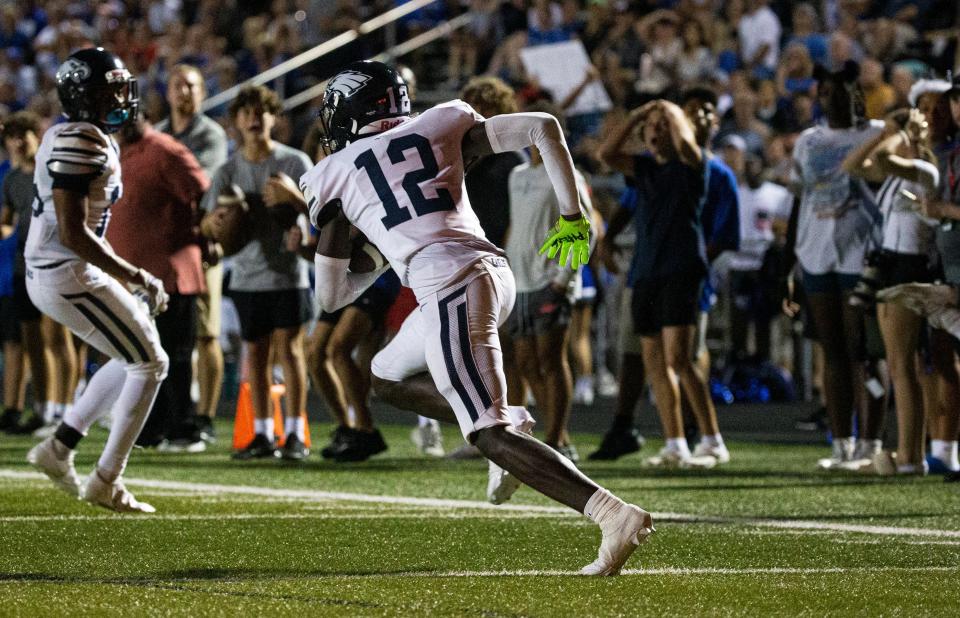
(360, 446)
(815, 422)
(338, 439)
(294, 449)
(261, 447)
(33, 423)
(205, 429)
(951, 477)
(10, 420)
(617, 443)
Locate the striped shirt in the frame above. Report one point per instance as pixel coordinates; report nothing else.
(76, 156)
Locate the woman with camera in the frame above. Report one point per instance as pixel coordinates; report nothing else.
(833, 229)
(900, 158)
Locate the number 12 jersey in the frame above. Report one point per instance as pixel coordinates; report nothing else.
(403, 188)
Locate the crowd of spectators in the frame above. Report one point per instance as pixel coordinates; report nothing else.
(763, 61)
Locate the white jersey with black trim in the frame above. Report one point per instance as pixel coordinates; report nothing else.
(76, 154)
(404, 190)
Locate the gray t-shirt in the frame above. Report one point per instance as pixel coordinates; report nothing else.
(205, 138)
(18, 196)
(263, 264)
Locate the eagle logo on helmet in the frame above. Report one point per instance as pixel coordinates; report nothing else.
(349, 82)
(75, 70)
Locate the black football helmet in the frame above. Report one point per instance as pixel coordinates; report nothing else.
(95, 86)
(357, 101)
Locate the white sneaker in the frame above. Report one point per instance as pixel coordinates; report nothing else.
(842, 452)
(583, 393)
(44, 457)
(466, 451)
(501, 485)
(862, 459)
(885, 463)
(621, 537)
(719, 453)
(428, 440)
(47, 431)
(670, 458)
(607, 385)
(113, 496)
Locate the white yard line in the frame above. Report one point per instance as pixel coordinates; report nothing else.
(311, 495)
(666, 571)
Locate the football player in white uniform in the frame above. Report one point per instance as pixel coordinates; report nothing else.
(75, 277)
(399, 180)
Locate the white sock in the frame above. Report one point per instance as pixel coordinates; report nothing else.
(294, 425)
(868, 447)
(67, 408)
(945, 451)
(714, 441)
(351, 416)
(98, 397)
(601, 506)
(679, 445)
(132, 407)
(584, 383)
(953, 462)
(263, 427)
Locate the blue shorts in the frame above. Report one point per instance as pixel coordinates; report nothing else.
(829, 283)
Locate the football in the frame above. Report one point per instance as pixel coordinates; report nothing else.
(229, 223)
(364, 256)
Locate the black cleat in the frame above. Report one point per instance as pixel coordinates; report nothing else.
(617, 443)
(261, 447)
(360, 446)
(338, 439)
(952, 477)
(204, 425)
(294, 449)
(33, 423)
(10, 420)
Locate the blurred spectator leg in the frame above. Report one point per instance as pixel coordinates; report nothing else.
(209, 352)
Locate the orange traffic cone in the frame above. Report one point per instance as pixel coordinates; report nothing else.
(243, 430)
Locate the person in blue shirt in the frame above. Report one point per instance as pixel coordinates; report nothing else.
(715, 221)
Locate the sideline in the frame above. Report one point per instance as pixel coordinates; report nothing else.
(310, 495)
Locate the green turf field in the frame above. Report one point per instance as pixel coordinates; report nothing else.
(401, 535)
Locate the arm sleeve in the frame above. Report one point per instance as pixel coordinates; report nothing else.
(78, 156)
(220, 180)
(337, 287)
(517, 131)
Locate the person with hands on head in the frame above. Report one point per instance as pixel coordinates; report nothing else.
(669, 265)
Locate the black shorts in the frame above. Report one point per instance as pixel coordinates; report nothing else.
(538, 313)
(261, 313)
(905, 268)
(375, 302)
(9, 324)
(26, 310)
(667, 301)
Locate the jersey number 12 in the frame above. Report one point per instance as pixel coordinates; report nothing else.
(422, 205)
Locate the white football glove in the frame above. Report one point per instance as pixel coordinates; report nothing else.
(151, 293)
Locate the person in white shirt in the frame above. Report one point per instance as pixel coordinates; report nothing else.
(763, 205)
(400, 181)
(74, 276)
(759, 32)
(833, 230)
(900, 159)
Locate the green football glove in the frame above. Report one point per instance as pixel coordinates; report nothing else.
(566, 237)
